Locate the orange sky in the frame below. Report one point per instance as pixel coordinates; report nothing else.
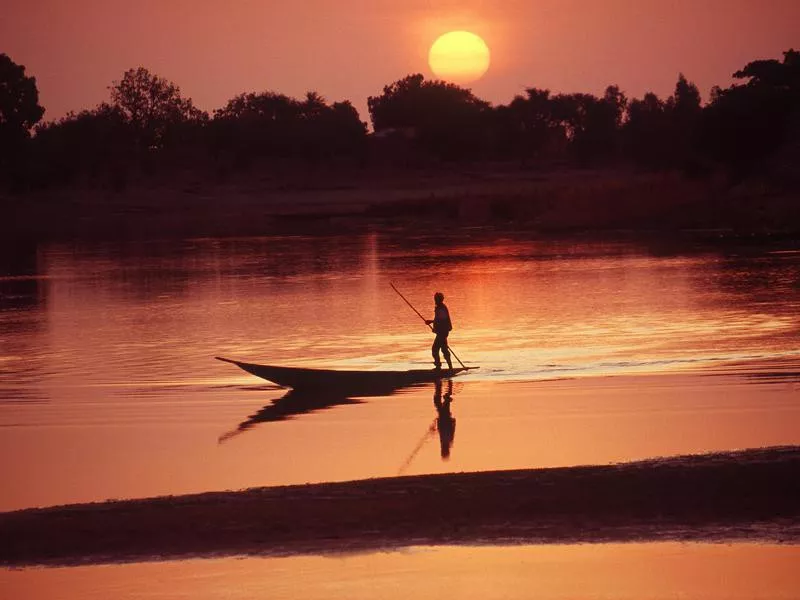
(349, 49)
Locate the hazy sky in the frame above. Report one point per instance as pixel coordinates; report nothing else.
(350, 49)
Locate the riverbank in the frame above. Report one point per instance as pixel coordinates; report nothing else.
(741, 495)
(554, 202)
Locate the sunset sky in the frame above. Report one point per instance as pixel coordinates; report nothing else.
(350, 49)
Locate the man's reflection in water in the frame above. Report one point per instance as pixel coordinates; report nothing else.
(445, 422)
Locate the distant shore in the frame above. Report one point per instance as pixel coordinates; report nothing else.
(742, 495)
(555, 202)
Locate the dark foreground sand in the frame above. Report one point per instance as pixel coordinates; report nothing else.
(750, 494)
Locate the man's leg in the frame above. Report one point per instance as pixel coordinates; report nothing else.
(435, 351)
(446, 352)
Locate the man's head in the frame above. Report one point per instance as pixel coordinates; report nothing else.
(438, 297)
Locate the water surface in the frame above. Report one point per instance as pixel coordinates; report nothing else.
(108, 387)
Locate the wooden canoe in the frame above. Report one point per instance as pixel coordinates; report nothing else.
(331, 380)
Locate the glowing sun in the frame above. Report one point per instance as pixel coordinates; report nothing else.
(459, 56)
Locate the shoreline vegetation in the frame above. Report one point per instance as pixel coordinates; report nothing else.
(740, 495)
(564, 201)
(148, 163)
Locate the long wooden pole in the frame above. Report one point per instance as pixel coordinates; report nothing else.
(428, 324)
(418, 447)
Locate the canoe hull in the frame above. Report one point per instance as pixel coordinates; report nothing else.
(329, 380)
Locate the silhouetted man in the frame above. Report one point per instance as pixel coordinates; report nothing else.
(441, 326)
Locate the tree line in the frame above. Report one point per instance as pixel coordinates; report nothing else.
(147, 126)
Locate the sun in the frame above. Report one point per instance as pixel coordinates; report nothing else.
(459, 57)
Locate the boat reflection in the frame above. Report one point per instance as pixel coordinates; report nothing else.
(292, 404)
(299, 402)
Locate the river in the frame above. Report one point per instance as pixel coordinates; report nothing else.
(109, 387)
(590, 352)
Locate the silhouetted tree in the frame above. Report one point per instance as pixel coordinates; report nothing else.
(274, 125)
(19, 112)
(444, 119)
(745, 124)
(313, 106)
(94, 144)
(774, 74)
(147, 125)
(533, 131)
(645, 131)
(663, 135)
(683, 111)
(324, 132)
(339, 131)
(685, 101)
(254, 125)
(154, 107)
(591, 124)
(267, 106)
